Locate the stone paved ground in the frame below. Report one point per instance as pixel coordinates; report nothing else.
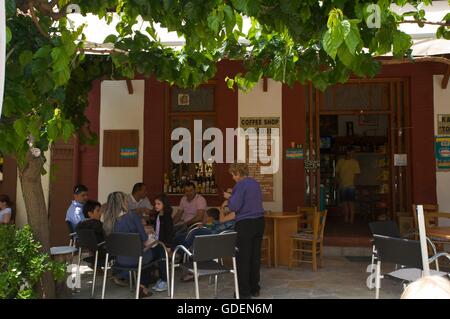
(338, 279)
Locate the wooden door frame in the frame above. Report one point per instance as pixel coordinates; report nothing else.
(400, 113)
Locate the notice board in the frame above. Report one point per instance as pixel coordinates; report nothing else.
(265, 180)
(120, 148)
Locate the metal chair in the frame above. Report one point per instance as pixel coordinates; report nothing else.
(403, 252)
(207, 251)
(88, 240)
(129, 245)
(72, 234)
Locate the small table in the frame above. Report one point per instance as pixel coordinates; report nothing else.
(439, 233)
(61, 254)
(280, 226)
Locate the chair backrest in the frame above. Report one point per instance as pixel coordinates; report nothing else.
(432, 219)
(307, 216)
(399, 251)
(318, 224)
(124, 244)
(209, 247)
(87, 239)
(427, 208)
(385, 228)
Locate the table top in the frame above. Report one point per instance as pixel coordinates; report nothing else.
(282, 215)
(440, 232)
(62, 250)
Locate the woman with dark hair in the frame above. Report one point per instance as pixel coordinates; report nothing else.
(164, 233)
(5, 209)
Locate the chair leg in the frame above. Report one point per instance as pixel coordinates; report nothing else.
(78, 266)
(104, 276)
(216, 284)
(291, 253)
(314, 256)
(269, 255)
(130, 278)
(236, 283)
(377, 280)
(172, 282)
(167, 273)
(95, 273)
(138, 280)
(197, 293)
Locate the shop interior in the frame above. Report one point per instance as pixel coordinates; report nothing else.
(367, 135)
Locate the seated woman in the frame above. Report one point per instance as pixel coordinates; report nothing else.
(5, 209)
(163, 233)
(117, 218)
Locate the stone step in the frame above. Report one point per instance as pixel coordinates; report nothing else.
(346, 251)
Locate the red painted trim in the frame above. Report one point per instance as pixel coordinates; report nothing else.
(153, 166)
(89, 155)
(294, 121)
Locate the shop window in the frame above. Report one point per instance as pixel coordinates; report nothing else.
(189, 109)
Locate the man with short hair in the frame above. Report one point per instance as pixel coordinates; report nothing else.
(138, 200)
(75, 211)
(346, 171)
(192, 208)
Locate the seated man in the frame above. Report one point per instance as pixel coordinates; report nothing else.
(74, 213)
(192, 209)
(138, 200)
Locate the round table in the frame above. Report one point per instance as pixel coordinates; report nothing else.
(63, 254)
(441, 233)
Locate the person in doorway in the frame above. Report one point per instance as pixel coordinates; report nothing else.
(346, 170)
(192, 209)
(74, 213)
(246, 201)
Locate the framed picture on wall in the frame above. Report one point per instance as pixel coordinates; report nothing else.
(183, 99)
(368, 120)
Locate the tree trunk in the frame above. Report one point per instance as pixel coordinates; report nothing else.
(33, 195)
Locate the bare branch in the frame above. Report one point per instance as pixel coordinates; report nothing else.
(35, 19)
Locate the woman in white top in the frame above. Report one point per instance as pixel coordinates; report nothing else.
(5, 209)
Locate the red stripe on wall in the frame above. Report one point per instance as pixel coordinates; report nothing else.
(154, 104)
(294, 121)
(89, 155)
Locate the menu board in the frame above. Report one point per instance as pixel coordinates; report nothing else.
(265, 180)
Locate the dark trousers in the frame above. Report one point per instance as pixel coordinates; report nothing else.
(249, 236)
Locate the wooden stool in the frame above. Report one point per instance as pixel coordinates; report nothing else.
(266, 247)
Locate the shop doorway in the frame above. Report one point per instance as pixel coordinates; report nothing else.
(371, 118)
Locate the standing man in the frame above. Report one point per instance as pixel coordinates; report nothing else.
(246, 201)
(346, 170)
(75, 211)
(138, 200)
(192, 209)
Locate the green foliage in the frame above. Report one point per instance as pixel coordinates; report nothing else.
(48, 77)
(22, 263)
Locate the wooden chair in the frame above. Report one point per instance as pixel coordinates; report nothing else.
(265, 250)
(306, 220)
(427, 208)
(309, 242)
(432, 220)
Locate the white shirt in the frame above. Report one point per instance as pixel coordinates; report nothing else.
(143, 203)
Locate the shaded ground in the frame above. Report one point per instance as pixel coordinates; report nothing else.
(339, 279)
